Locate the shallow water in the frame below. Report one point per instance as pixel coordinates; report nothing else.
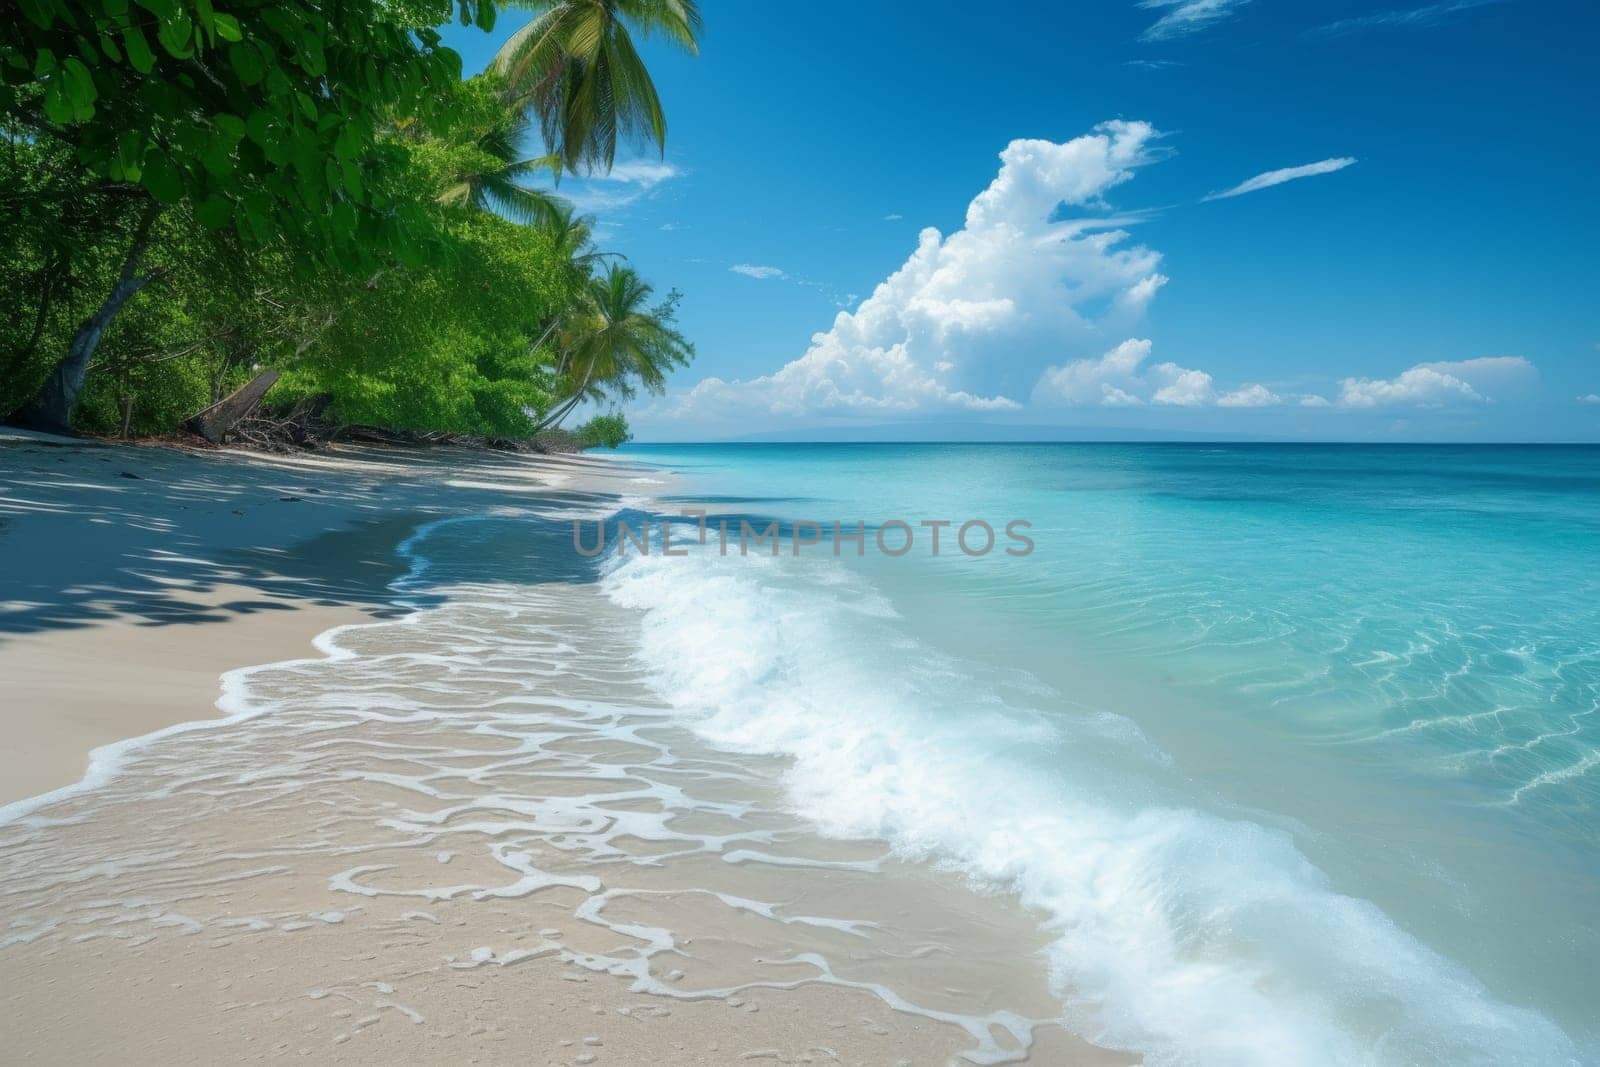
(1305, 735)
(1287, 752)
(411, 827)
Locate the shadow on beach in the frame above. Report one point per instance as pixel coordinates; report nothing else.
(153, 535)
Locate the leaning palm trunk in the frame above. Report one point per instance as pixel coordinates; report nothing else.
(561, 412)
(52, 408)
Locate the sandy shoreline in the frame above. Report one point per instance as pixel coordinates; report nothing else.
(177, 566)
(517, 860)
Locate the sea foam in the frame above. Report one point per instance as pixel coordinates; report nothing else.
(1180, 934)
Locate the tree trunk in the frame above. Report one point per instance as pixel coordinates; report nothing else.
(561, 412)
(215, 421)
(51, 271)
(52, 408)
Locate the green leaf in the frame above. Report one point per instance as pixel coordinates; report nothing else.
(162, 178)
(214, 212)
(344, 220)
(175, 34)
(259, 127)
(247, 63)
(228, 28)
(203, 12)
(161, 9)
(232, 125)
(218, 156)
(139, 53)
(486, 15)
(77, 86)
(45, 63)
(349, 143)
(352, 181)
(57, 107)
(39, 12)
(127, 159)
(311, 55)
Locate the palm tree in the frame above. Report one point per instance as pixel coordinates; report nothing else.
(576, 67)
(570, 235)
(492, 178)
(616, 342)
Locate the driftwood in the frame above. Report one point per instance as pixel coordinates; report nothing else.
(303, 426)
(218, 420)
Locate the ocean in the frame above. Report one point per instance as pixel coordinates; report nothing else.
(1293, 750)
(1213, 754)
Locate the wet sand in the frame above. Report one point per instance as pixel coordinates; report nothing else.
(468, 834)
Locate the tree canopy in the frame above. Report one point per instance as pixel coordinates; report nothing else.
(203, 189)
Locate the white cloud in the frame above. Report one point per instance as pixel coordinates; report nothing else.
(1467, 381)
(1119, 378)
(893, 216)
(1089, 381)
(626, 183)
(1278, 177)
(760, 273)
(1187, 16)
(638, 172)
(1414, 17)
(1591, 398)
(969, 320)
(1181, 386)
(1254, 396)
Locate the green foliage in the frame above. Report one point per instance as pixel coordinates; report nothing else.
(307, 187)
(478, 159)
(262, 116)
(575, 64)
(605, 431)
(447, 348)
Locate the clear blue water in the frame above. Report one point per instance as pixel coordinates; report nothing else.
(1296, 747)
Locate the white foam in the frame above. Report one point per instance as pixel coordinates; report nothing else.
(1180, 935)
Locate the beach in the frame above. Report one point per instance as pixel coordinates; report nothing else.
(359, 755)
(354, 796)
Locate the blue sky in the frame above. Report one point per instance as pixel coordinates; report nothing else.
(1442, 286)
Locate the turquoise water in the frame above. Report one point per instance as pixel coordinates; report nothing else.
(1296, 748)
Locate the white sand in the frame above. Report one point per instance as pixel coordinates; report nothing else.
(419, 854)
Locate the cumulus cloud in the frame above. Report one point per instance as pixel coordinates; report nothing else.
(969, 320)
(1256, 396)
(760, 273)
(1278, 177)
(1181, 386)
(1590, 398)
(1467, 381)
(1119, 378)
(1184, 17)
(1091, 381)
